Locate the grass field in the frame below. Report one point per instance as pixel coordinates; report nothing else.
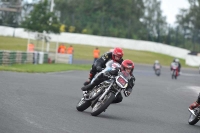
(43, 68)
(86, 52)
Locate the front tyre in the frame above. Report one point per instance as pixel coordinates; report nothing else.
(158, 72)
(101, 106)
(173, 74)
(83, 105)
(193, 119)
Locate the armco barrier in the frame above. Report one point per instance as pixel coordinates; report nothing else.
(19, 57)
(1, 56)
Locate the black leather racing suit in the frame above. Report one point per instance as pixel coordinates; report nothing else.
(100, 63)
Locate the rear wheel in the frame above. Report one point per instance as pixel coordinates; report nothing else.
(101, 106)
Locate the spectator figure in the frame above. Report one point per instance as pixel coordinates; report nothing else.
(70, 51)
(96, 53)
(62, 49)
(30, 47)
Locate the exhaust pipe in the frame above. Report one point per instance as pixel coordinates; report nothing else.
(191, 111)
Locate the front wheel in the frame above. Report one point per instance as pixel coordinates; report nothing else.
(194, 119)
(173, 74)
(101, 106)
(83, 105)
(158, 72)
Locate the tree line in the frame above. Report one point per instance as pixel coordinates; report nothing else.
(132, 19)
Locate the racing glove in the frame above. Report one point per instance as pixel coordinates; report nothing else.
(127, 92)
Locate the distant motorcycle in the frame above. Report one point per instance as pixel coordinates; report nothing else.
(174, 70)
(157, 68)
(194, 115)
(102, 95)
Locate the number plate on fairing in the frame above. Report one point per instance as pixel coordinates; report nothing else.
(121, 82)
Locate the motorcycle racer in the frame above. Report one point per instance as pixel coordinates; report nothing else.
(116, 55)
(127, 66)
(176, 61)
(156, 63)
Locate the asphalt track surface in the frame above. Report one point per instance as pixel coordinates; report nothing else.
(46, 103)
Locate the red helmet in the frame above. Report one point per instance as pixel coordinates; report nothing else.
(117, 52)
(127, 64)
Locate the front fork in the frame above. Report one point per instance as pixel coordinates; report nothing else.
(106, 91)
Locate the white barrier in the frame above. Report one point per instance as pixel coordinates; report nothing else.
(62, 58)
(84, 39)
(192, 60)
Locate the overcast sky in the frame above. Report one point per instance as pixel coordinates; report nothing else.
(171, 9)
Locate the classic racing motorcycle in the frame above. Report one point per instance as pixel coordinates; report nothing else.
(102, 95)
(174, 70)
(157, 69)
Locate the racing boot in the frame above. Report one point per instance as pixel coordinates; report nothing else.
(194, 105)
(88, 87)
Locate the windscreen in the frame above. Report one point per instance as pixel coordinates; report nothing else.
(125, 75)
(111, 65)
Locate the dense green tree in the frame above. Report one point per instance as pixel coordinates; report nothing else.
(41, 19)
(103, 17)
(154, 21)
(10, 18)
(189, 21)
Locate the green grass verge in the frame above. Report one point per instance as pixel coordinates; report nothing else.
(85, 52)
(43, 68)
